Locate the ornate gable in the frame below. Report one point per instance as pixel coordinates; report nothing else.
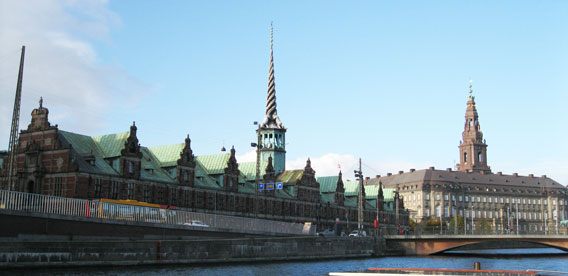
(186, 165)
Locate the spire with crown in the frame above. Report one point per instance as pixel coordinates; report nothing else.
(473, 149)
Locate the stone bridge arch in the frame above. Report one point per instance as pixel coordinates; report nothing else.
(429, 245)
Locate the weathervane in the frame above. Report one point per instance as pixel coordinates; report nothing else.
(470, 89)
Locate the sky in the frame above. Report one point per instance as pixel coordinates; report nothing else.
(384, 81)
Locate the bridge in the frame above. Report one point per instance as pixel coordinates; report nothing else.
(434, 244)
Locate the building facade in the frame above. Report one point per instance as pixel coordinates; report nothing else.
(477, 197)
(56, 162)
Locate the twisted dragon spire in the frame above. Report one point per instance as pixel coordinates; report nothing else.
(271, 119)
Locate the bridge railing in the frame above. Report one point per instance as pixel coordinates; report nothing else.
(452, 232)
(97, 209)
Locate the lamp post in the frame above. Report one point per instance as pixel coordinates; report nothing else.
(472, 215)
(359, 173)
(258, 146)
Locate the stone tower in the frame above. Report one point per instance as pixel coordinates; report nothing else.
(473, 149)
(272, 132)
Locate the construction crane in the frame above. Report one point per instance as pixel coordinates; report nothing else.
(11, 169)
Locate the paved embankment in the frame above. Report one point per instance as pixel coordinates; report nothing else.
(42, 253)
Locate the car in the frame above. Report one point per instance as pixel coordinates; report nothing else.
(327, 233)
(355, 233)
(195, 223)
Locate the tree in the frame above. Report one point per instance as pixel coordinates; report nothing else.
(482, 226)
(412, 224)
(432, 225)
(460, 221)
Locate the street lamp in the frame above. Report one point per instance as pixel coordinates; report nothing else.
(359, 173)
(258, 146)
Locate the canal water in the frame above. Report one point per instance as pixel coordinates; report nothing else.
(510, 259)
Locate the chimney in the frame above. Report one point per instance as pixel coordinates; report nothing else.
(515, 174)
(367, 178)
(531, 175)
(412, 170)
(389, 174)
(400, 172)
(499, 173)
(431, 168)
(449, 169)
(543, 176)
(378, 176)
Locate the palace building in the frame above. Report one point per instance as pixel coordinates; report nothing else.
(58, 162)
(527, 204)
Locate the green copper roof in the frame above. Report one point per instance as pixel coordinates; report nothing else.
(371, 191)
(167, 155)
(248, 169)
(151, 169)
(328, 184)
(86, 146)
(204, 180)
(291, 176)
(214, 164)
(111, 144)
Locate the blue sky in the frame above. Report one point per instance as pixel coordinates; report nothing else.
(384, 81)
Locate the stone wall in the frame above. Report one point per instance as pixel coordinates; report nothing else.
(37, 253)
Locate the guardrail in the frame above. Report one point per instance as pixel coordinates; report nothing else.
(99, 209)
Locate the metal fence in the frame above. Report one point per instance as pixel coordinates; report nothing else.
(97, 209)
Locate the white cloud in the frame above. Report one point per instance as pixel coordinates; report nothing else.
(61, 64)
(247, 157)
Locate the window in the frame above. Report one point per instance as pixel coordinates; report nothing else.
(466, 198)
(114, 189)
(554, 202)
(479, 157)
(437, 196)
(501, 200)
(146, 193)
(460, 198)
(484, 199)
(538, 201)
(490, 214)
(130, 191)
(507, 200)
(461, 212)
(130, 167)
(98, 188)
(427, 212)
(484, 214)
(479, 199)
(446, 197)
(545, 203)
(465, 157)
(58, 187)
(490, 200)
(427, 196)
(418, 196)
(524, 201)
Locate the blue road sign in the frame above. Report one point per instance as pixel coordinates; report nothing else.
(261, 186)
(279, 185)
(270, 186)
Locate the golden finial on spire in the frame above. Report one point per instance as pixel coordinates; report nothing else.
(470, 89)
